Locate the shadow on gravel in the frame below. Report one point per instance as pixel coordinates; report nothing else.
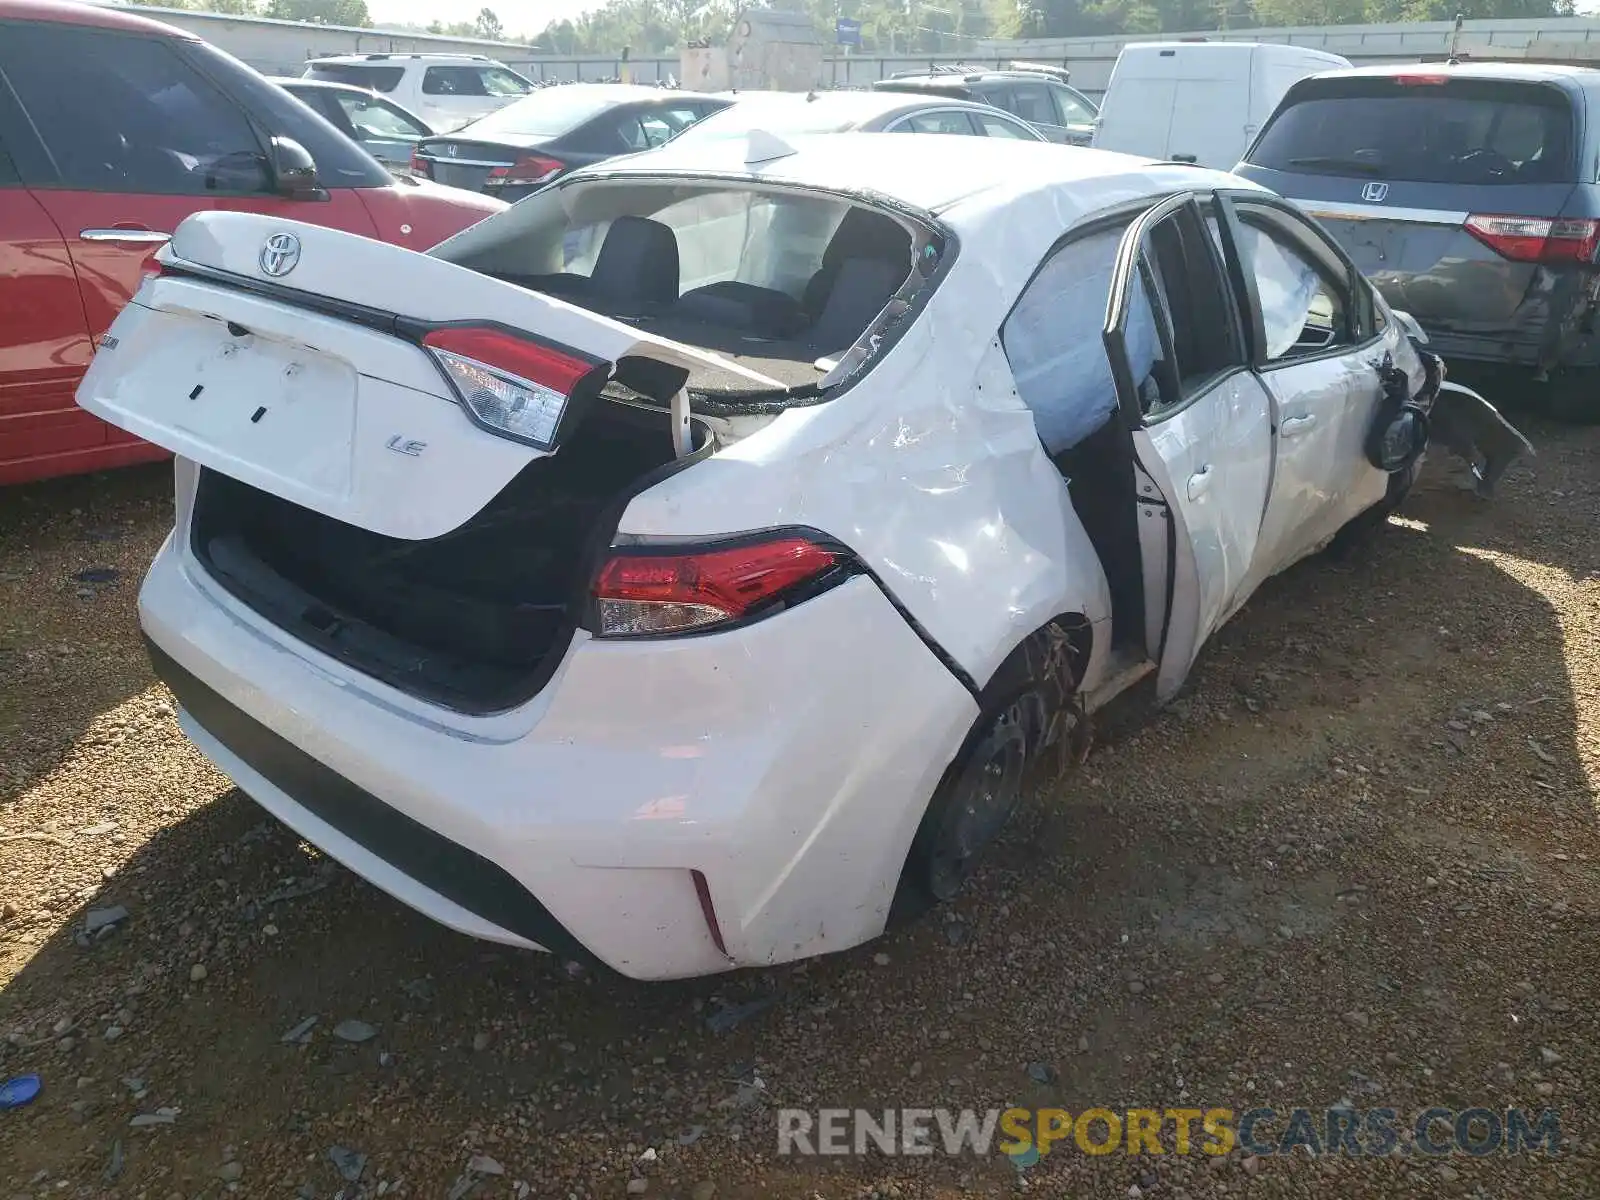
(1360, 721)
(72, 554)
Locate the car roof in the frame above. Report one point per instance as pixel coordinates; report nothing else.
(321, 85)
(1564, 74)
(914, 172)
(846, 106)
(615, 93)
(73, 12)
(378, 59)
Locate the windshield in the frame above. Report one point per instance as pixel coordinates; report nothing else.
(548, 112)
(1463, 131)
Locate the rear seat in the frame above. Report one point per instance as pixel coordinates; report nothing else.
(637, 271)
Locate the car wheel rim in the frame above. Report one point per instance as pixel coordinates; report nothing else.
(985, 795)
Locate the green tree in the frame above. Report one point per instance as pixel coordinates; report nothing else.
(488, 26)
(321, 12)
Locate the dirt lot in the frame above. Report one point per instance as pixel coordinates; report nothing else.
(1356, 861)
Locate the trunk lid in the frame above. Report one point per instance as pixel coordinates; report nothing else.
(461, 163)
(301, 379)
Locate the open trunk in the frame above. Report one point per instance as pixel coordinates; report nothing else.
(474, 619)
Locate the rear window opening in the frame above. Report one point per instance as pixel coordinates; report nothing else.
(783, 282)
(474, 620)
(1462, 131)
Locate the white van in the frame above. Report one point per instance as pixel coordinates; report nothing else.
(1199, 102)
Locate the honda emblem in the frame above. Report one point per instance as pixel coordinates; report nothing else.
(279, 254)
(1374, 193)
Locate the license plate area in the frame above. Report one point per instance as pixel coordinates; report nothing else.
(286, 409)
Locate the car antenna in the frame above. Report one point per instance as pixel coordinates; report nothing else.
(1454, 58)
(765, 147)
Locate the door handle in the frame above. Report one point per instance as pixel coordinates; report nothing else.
(1200, 482)
(1295, 426)
(138, 237)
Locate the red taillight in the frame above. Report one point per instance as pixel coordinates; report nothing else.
(507, 352)
(1537, 239)
(420, 165)
(510, 385)
(152, 265)
(1420, 80)
(672, 592)
(527, 171)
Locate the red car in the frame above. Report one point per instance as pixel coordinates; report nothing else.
(114, 128)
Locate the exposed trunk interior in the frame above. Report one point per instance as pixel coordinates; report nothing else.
(476, 619)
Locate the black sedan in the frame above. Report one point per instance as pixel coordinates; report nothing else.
(557, 129)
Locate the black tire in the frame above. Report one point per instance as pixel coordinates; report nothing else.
(980, 792)
(1573, 396)
(1363, 525)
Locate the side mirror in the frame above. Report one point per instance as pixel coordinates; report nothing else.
(294, 171)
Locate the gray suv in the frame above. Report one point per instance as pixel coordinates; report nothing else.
(1468, 194)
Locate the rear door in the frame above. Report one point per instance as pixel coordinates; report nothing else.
(1316, 348)
(1430, 181)
(1202, 420)
(44, 339)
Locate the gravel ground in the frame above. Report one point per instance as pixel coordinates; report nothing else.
(1355, 861)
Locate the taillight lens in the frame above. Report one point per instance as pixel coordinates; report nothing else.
(639, 593)
(510, 385)
(420, 165)
(1419, 79)
(1537, 239)
(527, 171)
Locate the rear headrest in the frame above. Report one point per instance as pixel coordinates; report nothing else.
(867, 234)
(638, 263)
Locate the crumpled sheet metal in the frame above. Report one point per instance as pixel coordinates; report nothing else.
(930, 467)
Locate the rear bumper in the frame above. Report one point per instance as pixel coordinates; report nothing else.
(788, 762)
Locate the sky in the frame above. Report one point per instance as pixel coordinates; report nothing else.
(519, 17)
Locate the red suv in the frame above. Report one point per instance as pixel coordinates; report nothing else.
(113, 129)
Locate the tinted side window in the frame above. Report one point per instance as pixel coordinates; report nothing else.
(379, 79)
(497, 81)
(996, 126)
(1030, 101)
(340, 162)
(1183, 294)
(949, 121)
(1302, 311)
(128, 114)
(8, 170)
(372, 117)
(662, 124)
(1073, 110)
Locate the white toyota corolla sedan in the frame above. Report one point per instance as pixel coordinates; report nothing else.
(680, 569)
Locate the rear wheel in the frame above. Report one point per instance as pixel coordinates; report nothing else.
(1363, 525)
(1573, 395)
(977, 797)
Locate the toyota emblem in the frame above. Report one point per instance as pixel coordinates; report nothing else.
(279, 254)
(1374, 193)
